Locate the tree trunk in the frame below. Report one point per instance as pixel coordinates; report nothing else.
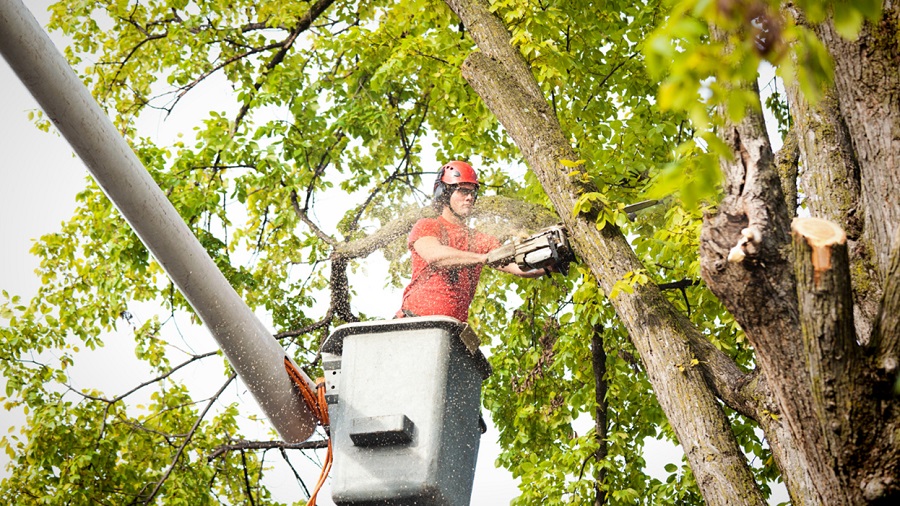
(796, 307)
(867, 89)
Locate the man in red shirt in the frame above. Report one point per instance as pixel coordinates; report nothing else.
(447, 255)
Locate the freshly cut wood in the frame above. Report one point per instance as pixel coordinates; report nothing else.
(821, 235)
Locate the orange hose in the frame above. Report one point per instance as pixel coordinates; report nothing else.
(329, 456)
(316, 403)
(309, 397)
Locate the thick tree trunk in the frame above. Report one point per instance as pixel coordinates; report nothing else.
(867, 89)
(761, 293)
(831, 178)
(500, 75)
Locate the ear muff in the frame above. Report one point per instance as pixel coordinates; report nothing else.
(441, 198)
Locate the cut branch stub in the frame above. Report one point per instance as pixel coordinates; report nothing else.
(820, 235)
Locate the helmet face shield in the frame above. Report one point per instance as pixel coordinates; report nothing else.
(451, 175)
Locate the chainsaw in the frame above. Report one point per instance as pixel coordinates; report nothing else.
(548, 247)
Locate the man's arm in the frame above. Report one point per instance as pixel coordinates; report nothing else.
(434, 253)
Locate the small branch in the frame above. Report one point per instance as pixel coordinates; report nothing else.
(315, 10)
(265, 445)
(134, 50)
(407, 141)
(324, 322)
(678, 285)
(320, 169)
(305, 219)
(188, 87)
(247, 486)
(294, 470)
(193, 359)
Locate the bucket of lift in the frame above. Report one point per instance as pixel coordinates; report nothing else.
(404, 398)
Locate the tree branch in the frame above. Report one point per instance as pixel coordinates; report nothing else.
(324, 322)
(247, 486)
(315, 10)
(294, 470)
(193, 359)
(327, 239)
(601, 413)
(678, 285)
(265, 445)
(786, 164)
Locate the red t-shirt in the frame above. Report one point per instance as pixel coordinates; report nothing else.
(444, 291)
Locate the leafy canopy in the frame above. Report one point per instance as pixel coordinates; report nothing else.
(313, 124)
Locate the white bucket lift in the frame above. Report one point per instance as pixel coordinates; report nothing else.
(404, 398)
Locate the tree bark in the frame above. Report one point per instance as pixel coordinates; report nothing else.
(867, 88)
(828, 340)
(831, 178)
(786, 161)
(795, 307)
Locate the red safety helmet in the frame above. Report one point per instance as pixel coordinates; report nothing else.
(449, 177)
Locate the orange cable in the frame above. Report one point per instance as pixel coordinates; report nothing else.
(316, 403)
(329, 456)
(309, 397)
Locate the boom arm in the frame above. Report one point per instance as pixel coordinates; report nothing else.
(255, 354)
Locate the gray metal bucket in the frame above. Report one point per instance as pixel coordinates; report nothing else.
(404, 398)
